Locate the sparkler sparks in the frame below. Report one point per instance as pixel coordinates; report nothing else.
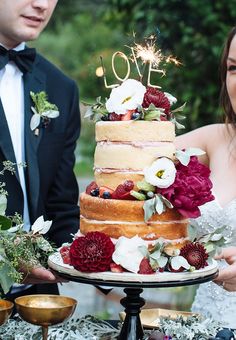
(148, 54)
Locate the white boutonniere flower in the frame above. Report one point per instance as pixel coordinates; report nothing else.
(128, 96)
(161, 173)
(42, 110)
(40, 226)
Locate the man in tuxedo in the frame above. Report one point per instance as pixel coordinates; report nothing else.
(47, 185)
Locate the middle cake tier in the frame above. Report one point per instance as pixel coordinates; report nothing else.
(125, 148)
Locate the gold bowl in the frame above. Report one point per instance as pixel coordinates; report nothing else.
(5, 311)
(45, 310)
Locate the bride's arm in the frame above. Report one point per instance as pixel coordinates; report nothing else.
(202, 138)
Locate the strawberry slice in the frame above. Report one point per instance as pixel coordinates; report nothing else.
(116, 268)
(114, 116)
(128, 115)
(92, 186)
(128, 185)
(64, 251)
(122, 192)
(145, 267)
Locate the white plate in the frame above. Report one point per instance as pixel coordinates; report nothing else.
(55, 262)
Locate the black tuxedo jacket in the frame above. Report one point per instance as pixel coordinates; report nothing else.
(50, 182)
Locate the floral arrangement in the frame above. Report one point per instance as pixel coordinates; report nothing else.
(96, 252)
(133, 101)
(18, 248)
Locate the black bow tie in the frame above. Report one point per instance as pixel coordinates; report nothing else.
(24, 59)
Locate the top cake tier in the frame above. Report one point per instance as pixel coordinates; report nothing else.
(125, 148)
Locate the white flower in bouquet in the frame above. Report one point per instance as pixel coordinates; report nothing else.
(161, 173)
(40, 226)
(128, 96)
(129, 253)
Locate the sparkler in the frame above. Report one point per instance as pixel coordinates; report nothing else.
(148, 54)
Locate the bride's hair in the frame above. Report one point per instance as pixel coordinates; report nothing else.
(230, 116)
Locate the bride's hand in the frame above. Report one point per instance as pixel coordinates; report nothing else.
(227, 276)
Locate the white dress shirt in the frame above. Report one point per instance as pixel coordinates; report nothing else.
(12, 97)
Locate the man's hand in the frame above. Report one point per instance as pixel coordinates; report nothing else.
(227, 276)
(40, 274)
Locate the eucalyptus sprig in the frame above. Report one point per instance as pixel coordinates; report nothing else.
(18, 248)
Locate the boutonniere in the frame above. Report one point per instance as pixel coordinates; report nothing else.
(43, 110)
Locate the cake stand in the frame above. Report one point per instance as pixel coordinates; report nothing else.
(133, 287)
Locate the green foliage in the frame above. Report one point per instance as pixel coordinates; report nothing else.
(192, 30)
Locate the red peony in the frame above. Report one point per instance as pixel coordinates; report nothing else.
(191, 189)
(157, 98)
(92, 253)
(195, 254)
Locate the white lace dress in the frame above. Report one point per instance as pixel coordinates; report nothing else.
(211, 300)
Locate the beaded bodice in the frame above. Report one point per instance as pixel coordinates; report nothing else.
(211, 300)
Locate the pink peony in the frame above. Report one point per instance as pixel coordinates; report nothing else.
(191, 189)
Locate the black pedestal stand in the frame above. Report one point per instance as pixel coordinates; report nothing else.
(132, 328)
(133, 302)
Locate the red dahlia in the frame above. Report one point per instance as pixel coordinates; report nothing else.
(157, 98)
(195, 254)
(92, 253)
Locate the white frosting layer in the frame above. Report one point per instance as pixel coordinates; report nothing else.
(133, 223)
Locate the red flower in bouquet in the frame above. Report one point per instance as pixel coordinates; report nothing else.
(195, 254)
(191, 189)
(92, 253)
(157, 98)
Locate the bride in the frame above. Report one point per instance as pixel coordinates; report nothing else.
(219, 143)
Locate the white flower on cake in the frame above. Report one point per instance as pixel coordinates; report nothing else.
(129, 253)
(128, 96)
(40, 226)
(161, 173)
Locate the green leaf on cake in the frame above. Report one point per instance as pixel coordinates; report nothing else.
(159, 205)
(184, 156)
(138, 195)
(149, 208)
(179, 109)
(145, 186)
(167, 202)
(192, 232)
